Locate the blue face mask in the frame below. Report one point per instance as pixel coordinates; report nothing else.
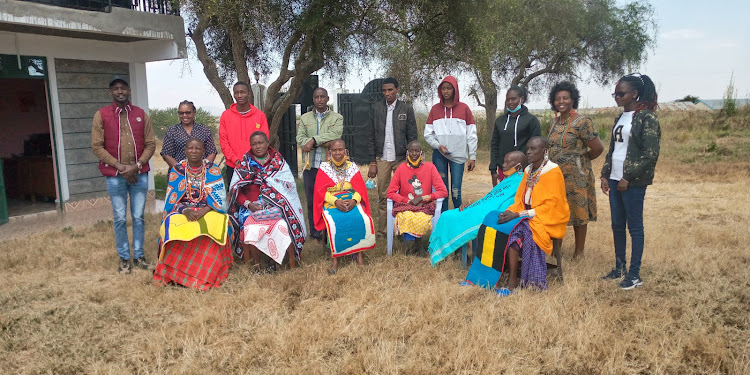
(518, 108)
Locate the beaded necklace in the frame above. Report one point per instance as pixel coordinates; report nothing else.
(196, 178)
(572, 114)
(340, 170)
(533, 177)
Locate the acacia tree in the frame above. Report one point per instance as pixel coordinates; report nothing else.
(227, 44)
(296, 37)
(530, 42)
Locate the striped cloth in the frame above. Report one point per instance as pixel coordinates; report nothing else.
(533, 259)
(199, 264)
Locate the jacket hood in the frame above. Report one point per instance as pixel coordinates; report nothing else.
(452, 80)
(521, 112)
(233, 108)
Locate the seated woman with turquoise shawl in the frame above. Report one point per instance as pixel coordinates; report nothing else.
(461, 225)
(341, 206)
(195, 235)
(538, 215)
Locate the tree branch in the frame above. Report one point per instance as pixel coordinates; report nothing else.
(209, 66)
(284, 74)
(473, 92)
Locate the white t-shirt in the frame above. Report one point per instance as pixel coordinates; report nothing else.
(621, 135)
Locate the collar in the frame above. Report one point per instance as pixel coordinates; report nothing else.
(573, 114)
(118, 109)
(391, 107)
(320, 114)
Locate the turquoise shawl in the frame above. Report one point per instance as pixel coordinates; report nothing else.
(456, 228)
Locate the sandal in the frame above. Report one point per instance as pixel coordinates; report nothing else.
(466, 283)
(331, 271)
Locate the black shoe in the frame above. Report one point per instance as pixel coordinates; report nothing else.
(630, 283)
(142, 264)
(614, 274)
(124, 267)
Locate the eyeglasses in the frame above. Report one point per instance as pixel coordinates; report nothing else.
(619, 94)
(184, 113)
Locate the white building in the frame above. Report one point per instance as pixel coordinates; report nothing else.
(56, 60)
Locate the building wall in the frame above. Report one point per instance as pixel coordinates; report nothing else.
(82, 90)
(134, 35)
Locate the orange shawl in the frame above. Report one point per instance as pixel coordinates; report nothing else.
(549, 202)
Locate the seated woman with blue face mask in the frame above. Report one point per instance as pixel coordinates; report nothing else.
(461, 225)
(538, 214)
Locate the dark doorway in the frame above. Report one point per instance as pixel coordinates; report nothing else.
(26, 148)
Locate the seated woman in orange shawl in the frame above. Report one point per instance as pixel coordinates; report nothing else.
(542, 207)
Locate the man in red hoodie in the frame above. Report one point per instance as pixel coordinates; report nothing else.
(236, 125)
(452, 133)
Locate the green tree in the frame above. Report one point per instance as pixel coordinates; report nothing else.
(688, 98)
(163, 118)
(527, 42)
(296, 37)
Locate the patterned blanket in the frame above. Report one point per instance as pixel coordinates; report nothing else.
(349, 232)
(277, 186)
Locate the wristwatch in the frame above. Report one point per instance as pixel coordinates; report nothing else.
(140, 165)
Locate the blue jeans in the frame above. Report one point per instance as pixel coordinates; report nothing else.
(627, 210)
(119, 189)
(456, 171)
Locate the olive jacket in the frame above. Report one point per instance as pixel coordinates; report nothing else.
(331, 127)
(642, 152)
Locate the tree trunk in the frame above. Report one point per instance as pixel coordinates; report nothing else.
(489, 90)
(490, 109)
(209, 66)
(238, 50)
(308, 60)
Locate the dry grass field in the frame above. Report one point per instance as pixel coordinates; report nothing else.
(65, 310)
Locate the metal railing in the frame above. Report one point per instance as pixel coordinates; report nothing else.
(169, 7)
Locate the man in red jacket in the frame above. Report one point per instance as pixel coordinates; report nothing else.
(236, 125)
(123, 140)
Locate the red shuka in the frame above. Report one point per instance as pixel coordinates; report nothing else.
(323, 181)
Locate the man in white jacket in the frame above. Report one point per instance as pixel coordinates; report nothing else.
(451, 132)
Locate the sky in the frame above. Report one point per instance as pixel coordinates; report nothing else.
(699, 46)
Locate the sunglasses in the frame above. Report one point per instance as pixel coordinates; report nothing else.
(184, 113)
(619, 94)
